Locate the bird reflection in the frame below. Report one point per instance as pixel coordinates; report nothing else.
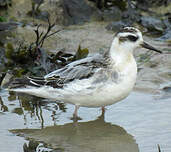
(31, 108)
(96, 135)
(35, 107)
(3, 107)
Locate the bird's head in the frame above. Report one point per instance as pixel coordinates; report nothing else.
(130, 38)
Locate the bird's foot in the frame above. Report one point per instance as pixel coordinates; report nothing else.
(75, 118)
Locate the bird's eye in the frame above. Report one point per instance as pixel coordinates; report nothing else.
(132, 38)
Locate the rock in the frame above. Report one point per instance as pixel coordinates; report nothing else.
(128, 18)
(112, 14)
(6, 30)
(76, 11)
(115, 26)
(153, 24)
(167, 33)
(6, 26)
(167, 21)
(2, 59)
(38, 2)
(152, 3)
(166, 92)
(166, 36)
(36, 12)
(4, 3)
(167, 89)
(1, 77)
(121, 4)
(103, 4)
(6, 79)
(131, 16)
(42, 15)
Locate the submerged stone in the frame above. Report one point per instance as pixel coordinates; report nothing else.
(153, 24)
(167, 89)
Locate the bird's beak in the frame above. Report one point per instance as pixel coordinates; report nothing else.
(147, 46)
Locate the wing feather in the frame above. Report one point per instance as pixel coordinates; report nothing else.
(80, 69)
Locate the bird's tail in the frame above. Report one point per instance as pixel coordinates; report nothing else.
(27, 81)
(23, 85)
(33, 86)
(37, 86)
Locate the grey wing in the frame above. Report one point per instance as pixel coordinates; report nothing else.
(56, 79)
(79, 69)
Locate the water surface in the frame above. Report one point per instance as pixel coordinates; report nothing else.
(138, 123)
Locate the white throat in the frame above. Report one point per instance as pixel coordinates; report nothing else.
(121, 53)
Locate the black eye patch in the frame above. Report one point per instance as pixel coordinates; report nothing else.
(132, 38)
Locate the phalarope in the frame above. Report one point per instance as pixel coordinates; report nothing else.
(95, 81)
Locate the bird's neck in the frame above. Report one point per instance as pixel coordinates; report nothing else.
(121, 55)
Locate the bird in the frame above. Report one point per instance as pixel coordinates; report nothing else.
(95, 81)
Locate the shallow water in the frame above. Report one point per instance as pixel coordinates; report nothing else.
(138, 123)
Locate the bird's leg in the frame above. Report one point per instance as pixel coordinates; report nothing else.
(103, 110)
(103, 113)
(75, 114)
